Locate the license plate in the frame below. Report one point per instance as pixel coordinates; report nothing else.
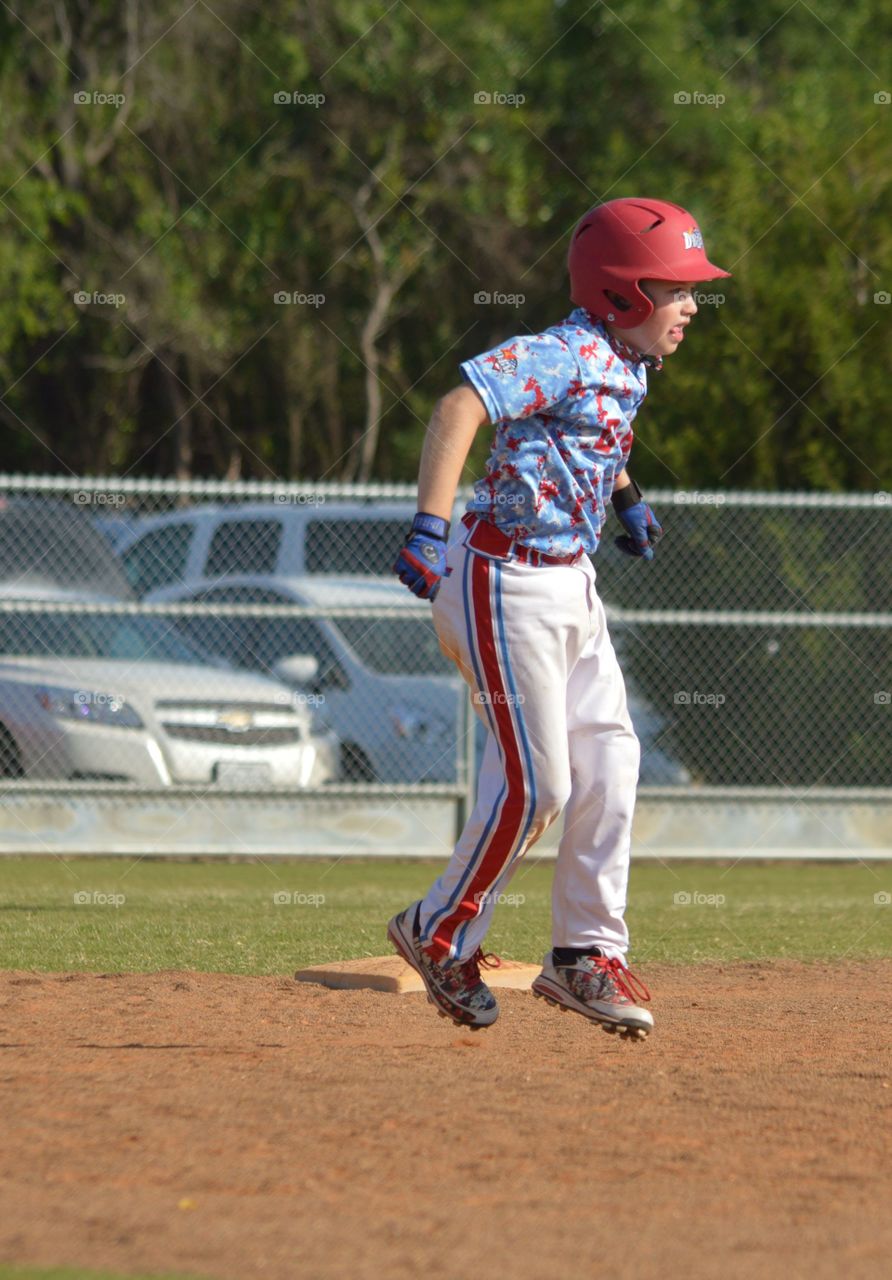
(232, 774)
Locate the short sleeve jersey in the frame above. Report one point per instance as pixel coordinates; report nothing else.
(562, 402)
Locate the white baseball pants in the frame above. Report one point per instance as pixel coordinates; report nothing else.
(531, 642)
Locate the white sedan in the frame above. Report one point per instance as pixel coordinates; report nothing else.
(120, 697)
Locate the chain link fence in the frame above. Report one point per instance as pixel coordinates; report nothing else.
(248, 639)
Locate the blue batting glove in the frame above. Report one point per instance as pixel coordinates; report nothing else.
(421, 565)
(643, 529)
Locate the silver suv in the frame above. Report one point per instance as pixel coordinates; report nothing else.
(263, 538)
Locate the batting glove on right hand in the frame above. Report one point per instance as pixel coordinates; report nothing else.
(421, 565)
(644, 530)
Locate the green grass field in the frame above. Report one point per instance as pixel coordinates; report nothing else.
(108, 914)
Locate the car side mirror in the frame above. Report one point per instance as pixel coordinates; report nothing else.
(297, 668)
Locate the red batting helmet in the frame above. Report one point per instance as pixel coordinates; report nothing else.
(617, 244)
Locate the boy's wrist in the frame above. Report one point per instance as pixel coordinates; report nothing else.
(434, 526)
(626, 496)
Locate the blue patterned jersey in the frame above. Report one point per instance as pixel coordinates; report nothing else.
(563, 403)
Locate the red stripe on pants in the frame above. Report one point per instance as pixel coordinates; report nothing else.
(503, 837)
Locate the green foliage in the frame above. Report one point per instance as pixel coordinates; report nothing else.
(400, 197)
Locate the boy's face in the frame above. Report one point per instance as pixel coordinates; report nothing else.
(663, 331)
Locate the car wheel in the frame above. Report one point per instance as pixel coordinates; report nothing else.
(10, 760)
(355, 765)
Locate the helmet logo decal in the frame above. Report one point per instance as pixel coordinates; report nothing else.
(692, 238)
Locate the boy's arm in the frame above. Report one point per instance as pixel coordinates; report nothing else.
(450, 434)
(456, 418)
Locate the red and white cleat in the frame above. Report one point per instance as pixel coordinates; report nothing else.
(454, 986)
(601, 989)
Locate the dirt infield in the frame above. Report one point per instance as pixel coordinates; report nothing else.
(255, 1127)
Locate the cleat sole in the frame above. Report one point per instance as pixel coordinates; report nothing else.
(624, 1030)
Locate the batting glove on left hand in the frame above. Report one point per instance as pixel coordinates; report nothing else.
(421, 565)
(644, 530)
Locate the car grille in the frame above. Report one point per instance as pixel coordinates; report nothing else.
(233, 738)
(231, 724)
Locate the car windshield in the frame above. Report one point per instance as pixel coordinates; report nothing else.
(98, 635)
(47, 542)
(396, 646)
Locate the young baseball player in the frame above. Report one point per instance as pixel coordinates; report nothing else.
(515, 606)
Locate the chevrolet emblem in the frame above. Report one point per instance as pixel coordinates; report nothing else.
(235, 721)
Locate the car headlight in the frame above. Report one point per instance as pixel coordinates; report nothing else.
(89, 706)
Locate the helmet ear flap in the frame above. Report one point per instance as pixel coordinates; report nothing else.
(628, 311)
